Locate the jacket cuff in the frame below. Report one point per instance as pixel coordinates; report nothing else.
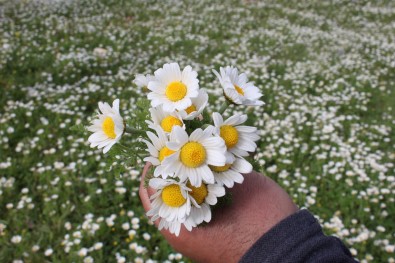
(297, 238)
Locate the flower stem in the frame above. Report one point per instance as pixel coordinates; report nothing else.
(134, 131)
(123, 146)
(224, 106)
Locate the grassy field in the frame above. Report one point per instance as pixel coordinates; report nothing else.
(326, 69)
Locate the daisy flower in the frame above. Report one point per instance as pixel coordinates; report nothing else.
(158, 151)
(172, 88)
(171, 201)
(165, 120)
(239, 140)
(236, 87)
(197, 107)
(202, 198)
(142, 81)
(230, 173)
(194, 153)
(108, 128)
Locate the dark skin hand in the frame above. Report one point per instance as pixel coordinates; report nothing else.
(257, 205)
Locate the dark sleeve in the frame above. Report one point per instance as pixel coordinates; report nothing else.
(297, 238)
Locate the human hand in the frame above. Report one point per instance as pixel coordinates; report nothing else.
(257, 205)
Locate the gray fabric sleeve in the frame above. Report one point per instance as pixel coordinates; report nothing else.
(297, 238)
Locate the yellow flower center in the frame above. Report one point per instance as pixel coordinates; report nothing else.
(239, 90)
(176, 91)
(230, 135)
(168, 123)
(198, 193)
(164, 152)
(190, 109)
(171, 196)
(220, 169)
(108, 127)
(193, 154)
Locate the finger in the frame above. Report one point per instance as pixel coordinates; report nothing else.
(143, 192)
(147, 166)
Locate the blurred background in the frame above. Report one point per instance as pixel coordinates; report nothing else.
(326, 69)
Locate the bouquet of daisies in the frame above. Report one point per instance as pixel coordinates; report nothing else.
(195, 154)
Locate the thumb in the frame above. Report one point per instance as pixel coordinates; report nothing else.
(144, 192)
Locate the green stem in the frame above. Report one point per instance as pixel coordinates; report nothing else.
(128, 148)
(224, 106)
(123, 146)
(134, 131)
(140, 157)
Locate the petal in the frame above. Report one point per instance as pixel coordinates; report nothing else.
(218, 120)
(108, 147)
(238, 152)
(175, 146)
(248, 129)
(97, 137)
(152, 160)
(215, 157)
(214, 142)
(246, 145)
(196, 135)
(242, 166)
(115, 106)
(155, 140)
(179, 134)
(206, 174)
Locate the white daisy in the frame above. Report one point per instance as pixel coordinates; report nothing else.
(236, 87)
(171, 200)
(174, 227)
(231, 172)
(158, 151)
(239, 140)
(197, 107)
(166, 120)
(172, 88)
(108, 128)
(142, 81)
(202, 198)
(194, 153)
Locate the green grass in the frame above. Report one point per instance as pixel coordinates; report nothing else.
(320, 65)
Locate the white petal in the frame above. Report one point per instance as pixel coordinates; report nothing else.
(214, 142)
(157, 183)
(152, 160)
(246, 145)
(155, 140)
(206, 174)
(179, 135)
(218, 120)
(247, 129)
(175, 146)
(238, 152)
(215, 157)
(196, 135)
(151, 149)
(115, 106)
(97, 137)
(207, 213)
(236, 119)
(108, 147)
(242, 166)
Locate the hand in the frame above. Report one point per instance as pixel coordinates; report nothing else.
(257, 205)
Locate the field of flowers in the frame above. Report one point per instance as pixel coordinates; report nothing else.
(326, 69)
